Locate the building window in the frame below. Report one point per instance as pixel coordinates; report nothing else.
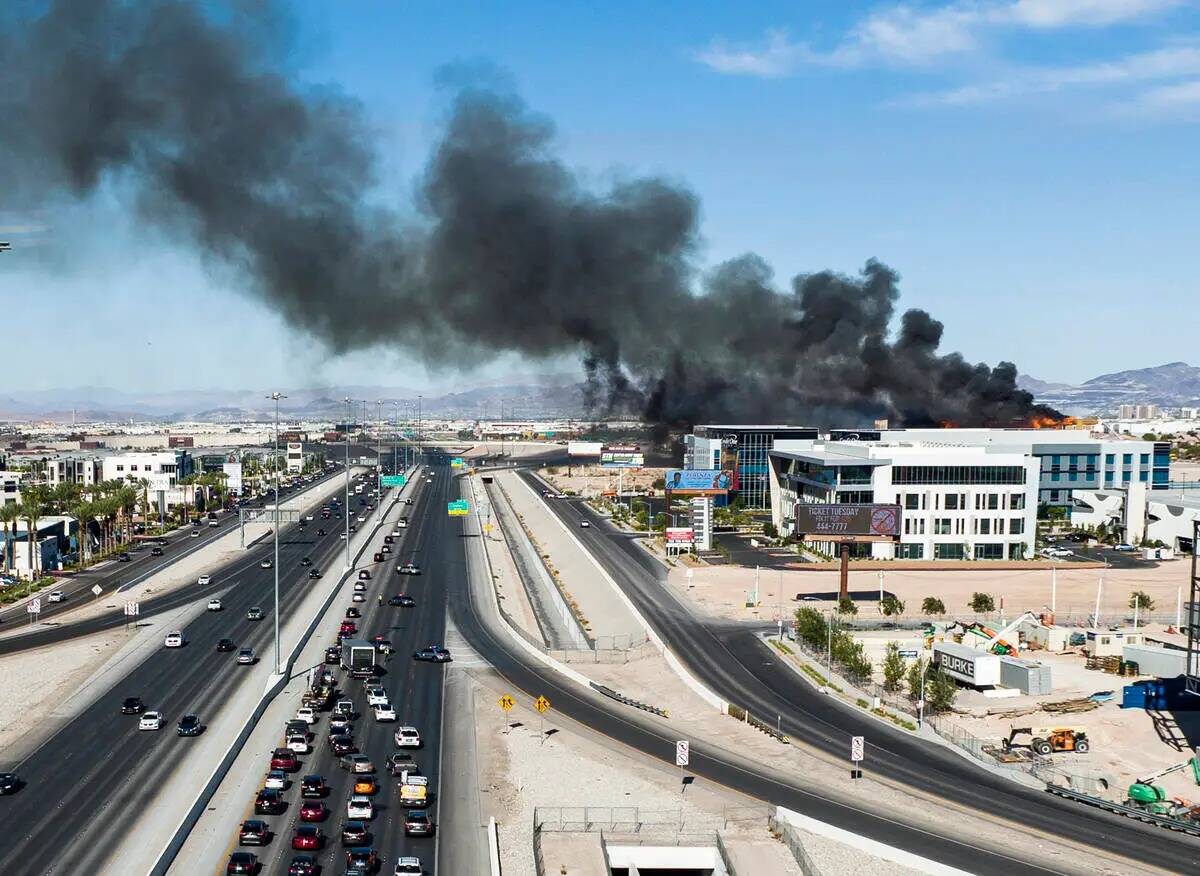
(1127, 459)
(1016, 501)
(989, 551)
(1144, 459)
(993, 501)
(910, 551)
(911, 501)
(983, 526)
(1016, 550)
(1055, 476)
(948, 551)
(1016, 525)
(967, 475)
(1143, 476)
(941, 526)
(952, 501)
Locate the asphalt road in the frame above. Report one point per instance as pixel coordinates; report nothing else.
(735, 664)
(416, 690)
(113, 575)
(88, 783)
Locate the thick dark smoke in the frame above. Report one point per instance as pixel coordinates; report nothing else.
(196, 113)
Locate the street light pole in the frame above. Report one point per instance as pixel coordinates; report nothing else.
(275, 396)
(418, 427)
(346, 510)
(379, 459)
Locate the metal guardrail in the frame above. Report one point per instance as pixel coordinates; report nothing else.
(1163, 821)
(621, 698)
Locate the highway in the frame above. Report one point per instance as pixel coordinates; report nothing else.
(736, 665)
(415, 688)
(89, 782)
(112, 575)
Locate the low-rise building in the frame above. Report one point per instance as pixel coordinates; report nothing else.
(10, 487)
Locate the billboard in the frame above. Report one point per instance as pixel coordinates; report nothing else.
(233, 476)
(680, 535)
(699, 481)
(584, 448)
(879, 521)
(621, 456)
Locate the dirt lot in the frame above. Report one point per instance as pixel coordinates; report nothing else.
(723, 590)
(592, 480)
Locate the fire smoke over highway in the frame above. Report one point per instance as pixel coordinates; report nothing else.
(200, 119)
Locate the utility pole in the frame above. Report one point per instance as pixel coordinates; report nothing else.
(418, 428)
(379, 460)
(346, 509)
(275, 396)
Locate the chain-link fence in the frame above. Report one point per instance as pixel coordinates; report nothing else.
(790, 837)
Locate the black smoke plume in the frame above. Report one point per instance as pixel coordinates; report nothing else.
(195, 111)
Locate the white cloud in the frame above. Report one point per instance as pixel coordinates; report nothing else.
(1161, 64)
(1176, 96)
(912, 35)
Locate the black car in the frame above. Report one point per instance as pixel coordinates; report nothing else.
(253, 833)
(269, 802)
(132, 706)
(314, 573)
(242, 862)
(402, 600)
(342, 744)
(303, 865)
(333, 656)
(353, 611)
(156, 552)
(189, 725)
(313, 787)
(226, 645)
(362, 859)
(306, 562)
(418, 823)
(123, 557)
(355, 833)
(10, 783)
(320, 532)
(433, 654)
(408, 501)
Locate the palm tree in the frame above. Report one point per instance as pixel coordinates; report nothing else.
(33, 502)
(10, 513)
(83, 512)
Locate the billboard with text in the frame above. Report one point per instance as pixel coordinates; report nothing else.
(878, 521)
(699, 481)
(621, 456)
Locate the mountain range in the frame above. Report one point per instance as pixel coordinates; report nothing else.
(545, 396)
(1175, 384)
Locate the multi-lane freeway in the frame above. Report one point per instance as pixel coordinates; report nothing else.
(90, 781)
(733, 663)
(415, 689)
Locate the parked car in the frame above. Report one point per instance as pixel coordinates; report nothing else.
(1124, 547)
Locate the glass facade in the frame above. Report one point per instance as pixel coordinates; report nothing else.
(934, 475)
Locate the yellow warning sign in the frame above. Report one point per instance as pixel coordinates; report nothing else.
(541, 704)
(506, 702)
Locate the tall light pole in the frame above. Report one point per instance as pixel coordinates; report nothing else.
(418, 428)
(395, 436)
(379, 460)
(346, 510)
(275, 396)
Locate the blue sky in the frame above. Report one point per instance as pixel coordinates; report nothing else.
(1028, 166)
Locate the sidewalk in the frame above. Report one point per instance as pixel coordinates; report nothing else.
(606, 616)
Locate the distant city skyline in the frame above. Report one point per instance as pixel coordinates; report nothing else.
(1028, 168)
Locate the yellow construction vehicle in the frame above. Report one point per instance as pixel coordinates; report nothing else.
(1048, 740)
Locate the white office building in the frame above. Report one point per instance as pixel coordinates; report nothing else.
(956, 502)
(10, 487)
(162, 469)
(295, 457)
(85, 469)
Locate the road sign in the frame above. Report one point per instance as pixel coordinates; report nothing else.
(458, 508)
(856, 748)
(541, 704)
(132, 609)
(394, 480)
(506, 703)
(34, 606)
(456, 462)
(681, 753)
(97, 589)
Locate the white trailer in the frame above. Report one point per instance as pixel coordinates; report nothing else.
(966, 664)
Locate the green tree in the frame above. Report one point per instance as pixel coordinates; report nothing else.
(83, 512)
(1141, 600)
(982, 603)
(33, 504)
(892, 605)
(811, 627)
(769, 530)
(941, 691)
(933, 605)
(893, 667)
(10, 515)
(913, 678)
(847, 606)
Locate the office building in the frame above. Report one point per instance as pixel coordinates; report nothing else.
(10, 487)
(163, 469)
(743, 450)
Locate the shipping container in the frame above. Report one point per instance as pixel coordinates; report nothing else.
(1027, 676)
(968, 665)
(1156, 660)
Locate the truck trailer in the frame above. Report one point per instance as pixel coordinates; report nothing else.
(358, 658)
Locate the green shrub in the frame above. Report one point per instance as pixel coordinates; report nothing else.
(982, 603)
(892, 606)
(932, 605)
(847, 606)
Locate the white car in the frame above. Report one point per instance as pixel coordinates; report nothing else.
(377, 696)
(385, 712)
(338, 722)
(56, 596)
(359, 586)
(174, 639)
(307, 715)
(359, 807)
(1123, 547)
(409, 865)
(150, 721)
(265, 564)
(407, 737)
(277, 780)
(342, 536)
(297, 743)
(584, 524)
(358, 597)
(204, 580)
(214, 605)
(195, 533)
(309, 517)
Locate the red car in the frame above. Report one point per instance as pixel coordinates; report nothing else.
(284, 759)
(242, 862)
(348, 626)
(303, 865)
(313, 810)
(308, 837)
